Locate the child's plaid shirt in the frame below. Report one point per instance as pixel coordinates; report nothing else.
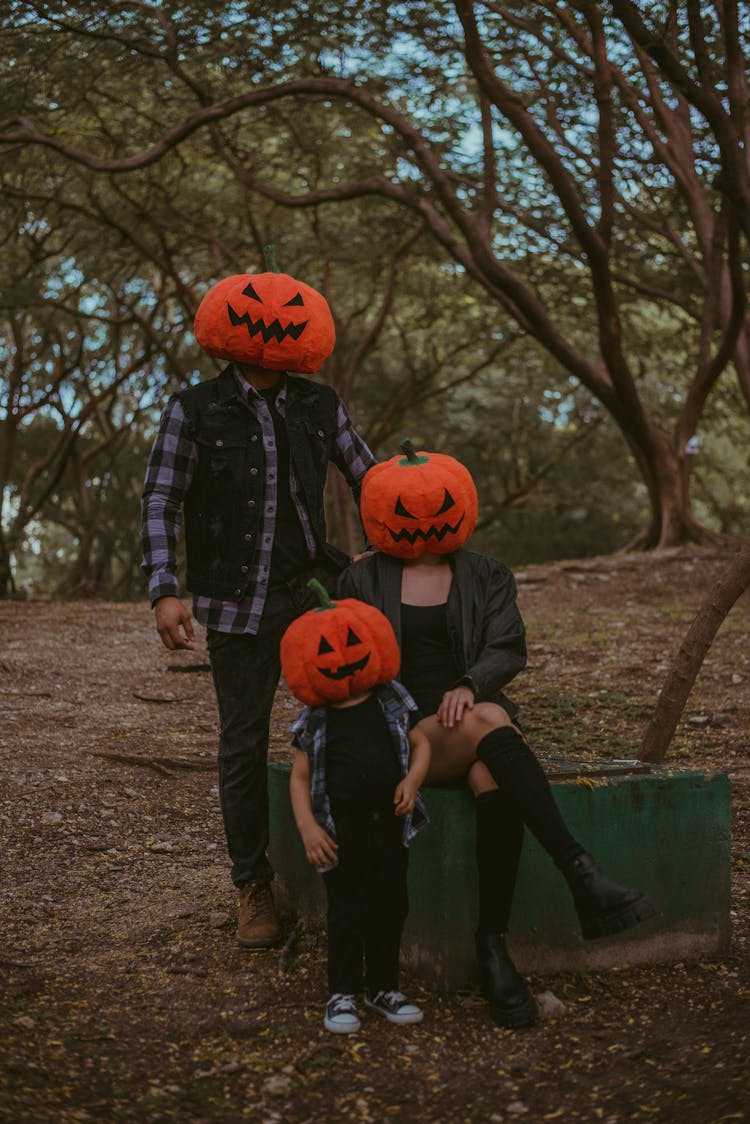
(310, 736)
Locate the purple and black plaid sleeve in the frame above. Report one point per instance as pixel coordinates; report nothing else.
(351, 455)
(168, 476)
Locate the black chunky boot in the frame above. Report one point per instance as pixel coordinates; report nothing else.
(604, 907)
(511, 1002)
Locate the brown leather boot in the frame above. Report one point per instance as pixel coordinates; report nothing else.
(258, 925)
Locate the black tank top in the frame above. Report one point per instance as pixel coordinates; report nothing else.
(428, 666)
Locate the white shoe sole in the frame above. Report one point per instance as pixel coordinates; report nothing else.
(397, 1020)
(337, 1028)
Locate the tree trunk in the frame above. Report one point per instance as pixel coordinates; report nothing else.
(90, 574)
(689, 659)
(7, 585)
(666, 473)
(345, 532)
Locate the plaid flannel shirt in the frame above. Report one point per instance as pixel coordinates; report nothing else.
(309, 731)
(168, 476)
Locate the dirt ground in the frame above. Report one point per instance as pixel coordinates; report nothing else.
(124, 996)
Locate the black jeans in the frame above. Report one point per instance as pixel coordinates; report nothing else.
(246, 673)
(367, 900)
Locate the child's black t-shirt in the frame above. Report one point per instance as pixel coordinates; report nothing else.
(362, 764)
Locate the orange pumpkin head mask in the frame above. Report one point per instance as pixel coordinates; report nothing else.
(269, 320)
(337, 651)
(419, 503)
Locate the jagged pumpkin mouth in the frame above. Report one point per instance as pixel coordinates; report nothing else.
(346, 669)
(433, 532)
(273, 331)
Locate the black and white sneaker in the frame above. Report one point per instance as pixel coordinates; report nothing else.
(341, 1014)
(395, 1007)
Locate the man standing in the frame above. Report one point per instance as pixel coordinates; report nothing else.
(243, 459)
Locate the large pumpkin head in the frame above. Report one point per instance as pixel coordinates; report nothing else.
(339, 650)
(266, 319)
(418, 503)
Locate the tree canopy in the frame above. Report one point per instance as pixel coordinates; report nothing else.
(530, 219)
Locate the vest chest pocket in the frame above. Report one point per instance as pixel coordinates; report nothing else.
(320, 436)
(222, 439)
(220, 454)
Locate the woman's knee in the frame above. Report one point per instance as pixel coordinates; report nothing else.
(486, 716)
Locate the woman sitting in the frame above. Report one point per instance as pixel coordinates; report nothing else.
(462, 640)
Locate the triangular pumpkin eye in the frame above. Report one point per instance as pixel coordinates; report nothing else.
(249, 291)
(324, 646)
(448, 502)
(352, 638)
(401, 510)
(294, 300)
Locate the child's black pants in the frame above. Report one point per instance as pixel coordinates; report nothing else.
(367, 900)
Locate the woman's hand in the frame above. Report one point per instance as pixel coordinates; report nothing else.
(319, 847)
(455, 702)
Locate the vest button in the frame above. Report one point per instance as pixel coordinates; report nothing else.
(251, 503)
(237, 592)
(321, 433)
(253, 472)
(219, 442)
(244, 569)
(254, 437)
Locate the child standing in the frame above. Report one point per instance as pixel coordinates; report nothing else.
(354, 789)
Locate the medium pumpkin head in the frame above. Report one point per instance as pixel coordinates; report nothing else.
(418, 503)
(341, 649)
(269, 320)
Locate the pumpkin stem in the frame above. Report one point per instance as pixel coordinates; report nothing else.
(269, 253)
(318, 588)
(412, 456)
(407, 447)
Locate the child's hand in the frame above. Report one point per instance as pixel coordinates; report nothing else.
(404, 797)
(319, 847)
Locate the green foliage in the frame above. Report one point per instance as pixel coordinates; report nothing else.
(101, 273)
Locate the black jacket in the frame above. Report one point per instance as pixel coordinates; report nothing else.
(223, 504)
(484, 624)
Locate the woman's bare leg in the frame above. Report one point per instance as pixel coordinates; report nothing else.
(480, 779)
(454, 751)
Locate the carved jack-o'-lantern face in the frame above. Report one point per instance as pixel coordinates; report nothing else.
(419, 503)
(266, 319)
(338, 651)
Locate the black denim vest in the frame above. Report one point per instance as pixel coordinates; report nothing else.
(223, 505)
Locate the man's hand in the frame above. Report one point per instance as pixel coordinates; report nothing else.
(174, 624)
(319, 847)
(455, 702)
(358, 557)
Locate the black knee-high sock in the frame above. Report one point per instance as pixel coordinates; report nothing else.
(499, 842)
(523, 785)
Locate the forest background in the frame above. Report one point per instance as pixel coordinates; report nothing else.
(530, 220)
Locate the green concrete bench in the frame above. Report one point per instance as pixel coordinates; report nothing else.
(664, 830)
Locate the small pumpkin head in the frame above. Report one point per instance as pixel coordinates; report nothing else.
(336, 651)
(418, 503)
(269, 320)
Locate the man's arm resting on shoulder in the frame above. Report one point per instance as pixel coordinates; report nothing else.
(350, 453)
(354, 459)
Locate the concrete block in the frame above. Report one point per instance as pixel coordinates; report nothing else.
(666, 831)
